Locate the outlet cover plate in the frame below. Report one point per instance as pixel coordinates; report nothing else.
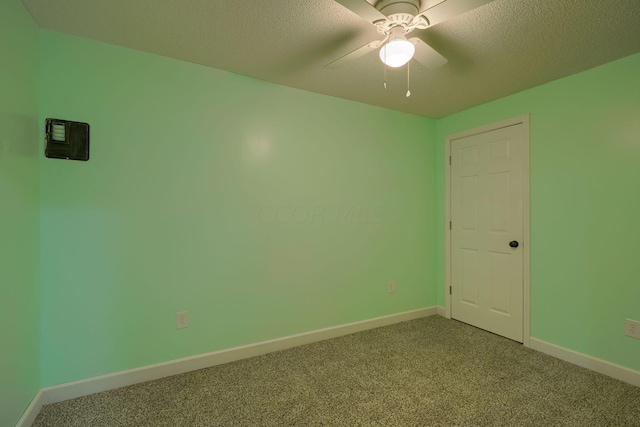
(632, 329)
(182, 319)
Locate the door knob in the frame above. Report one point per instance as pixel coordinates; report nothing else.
(514, 244)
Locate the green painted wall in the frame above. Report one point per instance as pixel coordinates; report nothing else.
(19, 265)
(262, 210)
(585, 204)
(267, 211)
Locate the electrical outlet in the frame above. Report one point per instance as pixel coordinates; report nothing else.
(633, 329)
(392, 287)
(182, 319)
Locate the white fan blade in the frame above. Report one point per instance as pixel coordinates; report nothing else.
(353, 55)
(357, 53)
(426, 55)
(449, 9)
(363, 9)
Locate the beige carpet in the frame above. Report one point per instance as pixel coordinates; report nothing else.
(427, 372)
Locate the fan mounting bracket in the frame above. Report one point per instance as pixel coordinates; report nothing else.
(403, 20)
(400, 13)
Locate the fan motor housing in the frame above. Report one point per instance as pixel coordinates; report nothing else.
(393, 7)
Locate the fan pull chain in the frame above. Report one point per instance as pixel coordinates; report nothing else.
(408, 79)
(385, 76)
(385, 69)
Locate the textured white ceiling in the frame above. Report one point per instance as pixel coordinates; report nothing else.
(493, 51)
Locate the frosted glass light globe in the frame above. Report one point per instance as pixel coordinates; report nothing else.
(397, 52)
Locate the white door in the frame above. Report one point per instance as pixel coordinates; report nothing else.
(487, 230)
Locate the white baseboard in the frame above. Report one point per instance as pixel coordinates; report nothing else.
(441, 311)
(92, 385)
(598, 365)
(30, 414)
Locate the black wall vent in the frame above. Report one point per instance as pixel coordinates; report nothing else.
(66, 140)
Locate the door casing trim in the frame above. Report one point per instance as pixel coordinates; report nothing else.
(526, 246)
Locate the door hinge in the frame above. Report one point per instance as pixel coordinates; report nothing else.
(450, 225)
(449, 159)
(450, 290)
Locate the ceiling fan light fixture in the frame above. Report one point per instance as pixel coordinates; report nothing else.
(397, 52)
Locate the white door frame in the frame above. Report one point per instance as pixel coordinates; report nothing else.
(526, 244)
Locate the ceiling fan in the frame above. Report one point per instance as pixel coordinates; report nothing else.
(394, 19)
